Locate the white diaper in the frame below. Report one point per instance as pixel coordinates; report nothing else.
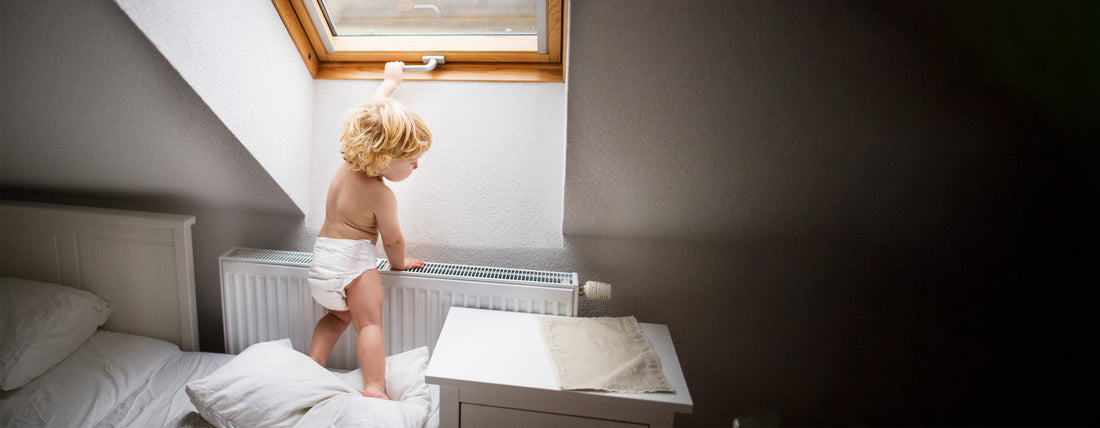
(336, 263)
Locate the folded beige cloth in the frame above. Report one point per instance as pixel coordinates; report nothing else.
(602, 354)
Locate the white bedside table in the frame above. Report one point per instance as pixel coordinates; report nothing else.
(493, 371)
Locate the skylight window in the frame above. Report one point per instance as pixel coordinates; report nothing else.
(479, 39)
(382, 17)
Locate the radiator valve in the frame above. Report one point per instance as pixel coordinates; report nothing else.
(595, 290)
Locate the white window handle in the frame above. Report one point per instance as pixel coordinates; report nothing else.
(430, 61)
(431, 7)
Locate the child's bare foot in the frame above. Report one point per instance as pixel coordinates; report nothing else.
(375, 391)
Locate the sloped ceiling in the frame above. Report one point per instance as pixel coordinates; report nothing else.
(92, 109)
(239, 58)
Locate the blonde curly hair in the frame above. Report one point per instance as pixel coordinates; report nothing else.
(380, 131)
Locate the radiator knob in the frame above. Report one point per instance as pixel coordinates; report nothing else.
(595, 290)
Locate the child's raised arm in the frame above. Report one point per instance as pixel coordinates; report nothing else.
(393, 76)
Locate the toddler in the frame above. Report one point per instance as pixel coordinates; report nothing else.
(381, 139)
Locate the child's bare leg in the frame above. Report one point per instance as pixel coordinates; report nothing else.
(328, 331)
(365, 301)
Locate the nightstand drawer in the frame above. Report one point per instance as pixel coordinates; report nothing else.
(474, 415)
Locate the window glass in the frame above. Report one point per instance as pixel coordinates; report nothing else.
(432, 17)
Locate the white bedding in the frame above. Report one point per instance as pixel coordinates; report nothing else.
(154, 404)
(87, 388)
(122, 380)
(270, 384)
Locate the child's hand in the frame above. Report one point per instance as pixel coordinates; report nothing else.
(394, 72)
(410, 263)
(391, 77)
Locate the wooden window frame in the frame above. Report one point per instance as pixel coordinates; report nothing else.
(507, 66)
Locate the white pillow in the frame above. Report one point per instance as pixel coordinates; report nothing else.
(272, 385)
(404, 376)
(41, 324)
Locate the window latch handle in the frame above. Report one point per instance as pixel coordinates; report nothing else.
(430, 61)
(431, 7)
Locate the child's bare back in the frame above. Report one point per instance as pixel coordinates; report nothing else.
(353, 198)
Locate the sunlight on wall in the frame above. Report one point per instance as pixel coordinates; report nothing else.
(494, 176)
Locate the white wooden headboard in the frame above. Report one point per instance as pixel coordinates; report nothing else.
(141, 262)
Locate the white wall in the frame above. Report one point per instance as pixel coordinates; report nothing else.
(95, 115)
(494, 175)
(238, 57)
(91, 107)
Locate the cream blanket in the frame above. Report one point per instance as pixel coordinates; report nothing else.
(602, 354)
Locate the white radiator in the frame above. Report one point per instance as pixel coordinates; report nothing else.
(265, 296)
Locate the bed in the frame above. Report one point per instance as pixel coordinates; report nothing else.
(99, 328)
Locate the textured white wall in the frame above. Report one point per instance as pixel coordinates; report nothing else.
(95, 115)
(238, 57)
(96, 110)
(494, 177)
